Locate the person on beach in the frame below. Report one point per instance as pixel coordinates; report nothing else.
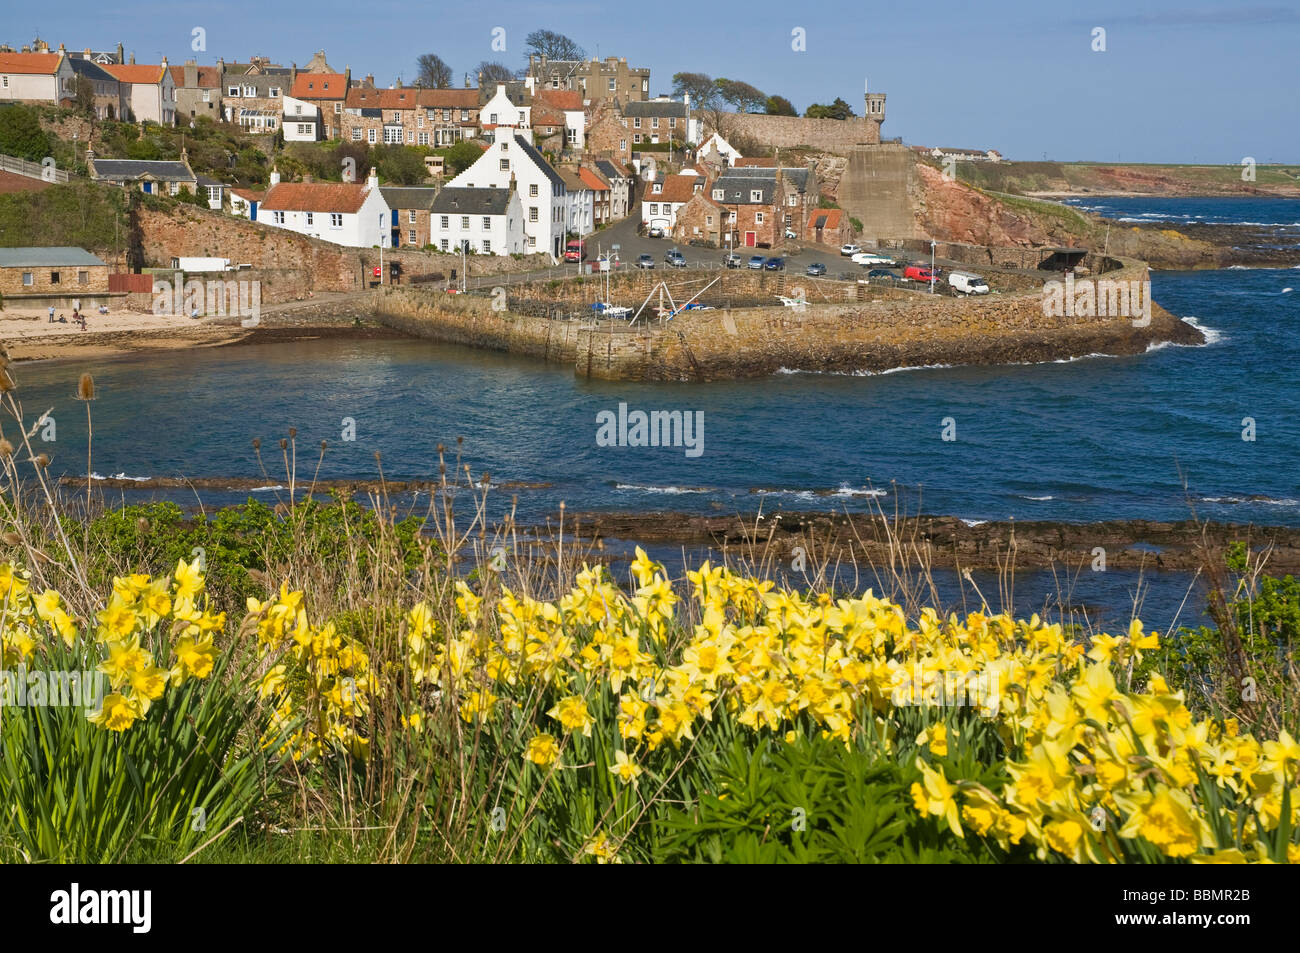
(51, 314)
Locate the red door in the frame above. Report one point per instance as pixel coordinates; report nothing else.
(750, 239)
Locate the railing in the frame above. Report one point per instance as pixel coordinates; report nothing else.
(33, 170)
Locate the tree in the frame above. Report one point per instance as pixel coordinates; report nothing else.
(699, 86)
(554, 46)
(491, 73)
(432, 72)
(83, 96)
(744, 97)
(836, 110)
(780, 106)
(461, 156)
(401, 166)
(21, 134)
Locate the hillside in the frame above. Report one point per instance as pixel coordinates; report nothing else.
(1077, 178)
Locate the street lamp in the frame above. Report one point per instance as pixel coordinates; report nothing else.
(932, 244)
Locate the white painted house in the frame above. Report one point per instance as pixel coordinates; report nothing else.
(301, 121)
(482, 221)
(665, 196)
(342, 213)
(579, 204)
(34, 77)
(719, 150)
(541, 190)
(500, 111)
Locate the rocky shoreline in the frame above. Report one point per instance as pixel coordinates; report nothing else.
(948, 541)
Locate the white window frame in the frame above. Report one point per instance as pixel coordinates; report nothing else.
(336, 219)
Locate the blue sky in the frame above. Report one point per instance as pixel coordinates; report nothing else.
(1177, 82)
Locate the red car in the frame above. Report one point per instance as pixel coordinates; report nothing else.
(920, 273)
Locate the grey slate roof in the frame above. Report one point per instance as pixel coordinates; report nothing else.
(798, 177)
(121, 170)
(540, 161)
(652, 109)
(408, 197)
(737, 188)
(90, 69)
(458, 201)
(47, 257)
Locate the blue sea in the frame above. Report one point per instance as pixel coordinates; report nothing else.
(1155, 436)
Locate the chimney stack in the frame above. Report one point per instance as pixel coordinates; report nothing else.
(132, 59)
(275, 176)
(372, 180)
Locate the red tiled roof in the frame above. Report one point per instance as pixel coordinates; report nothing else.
(449, 98)
(315, 197)
(569, 99)
(209, 76)
(134, 72)
(319, 86)
(828, 218)
(248, 194)
(757, 162)
(405, 98)
(546, 115)
(593, 181)
(676, 188)
(35, 63)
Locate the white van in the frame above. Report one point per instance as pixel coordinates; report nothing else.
(967, 283)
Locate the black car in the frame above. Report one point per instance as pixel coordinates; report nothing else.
(880, 273)
(645, 261)
(815, 270)
(775, 263)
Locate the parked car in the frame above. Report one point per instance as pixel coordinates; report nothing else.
(790, 233)
(967, 283)
(732, 261)
(880, 273)
(775, 263)
(850, 249)
(677, 261)
(672, 254)
(873, 260)
(920, 273)
(656, 232)
(756, 262)
(645, 261)
(815, 270)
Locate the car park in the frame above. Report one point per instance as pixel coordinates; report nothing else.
(756, 262)
(775, 263)
(645, 261)
(850, 250)
(815, 270)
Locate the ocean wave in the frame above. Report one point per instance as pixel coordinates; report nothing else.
(670, 490)
(1259, 500)
(888, 370)
(1037, 499)
(973, 522)
(265, 489)
(843, 490)
(120, 476)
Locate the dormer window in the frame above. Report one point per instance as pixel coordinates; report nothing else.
(756, 195)
(658, 188)
(718, 194)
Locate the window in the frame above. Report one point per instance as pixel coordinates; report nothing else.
(756, 195)
(636, 137)
(532, 241)
(277, 218)
(487, 247)
(275, 91)
(794, 200)
(338, 108)
(622, 145)
(6, 82)
(708, 220)
(230, 91)
(370, 136)
(336, 219)
(717, 194)
(309, 219)
(654, 123)
(419, 121)
(304, 129)
(422, 139)
(464, 223)
(410, 136)
(28, 280)
(532, 191)
(410, 236)
(758, 218)
(492, 118)
(505, 165)
(487, 222)
(636, 123)
(532, 213)
(443, 243)
(613, 84)
(645, 85)
(250, 91)
(672, 122)
(464, 115)
(410, 217)
(356, 135)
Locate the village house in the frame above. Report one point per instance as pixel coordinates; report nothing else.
(718, 153)
(109, 102)
(662, 120)
(601, 192)
(579, 203)
(700, 220)
(451, 115)
(828, 226)
(35, 77)
(501, 110)
(753, 205)
(343, 213)
(301, 120)
(327, 92)
(253, 94)
(622, 182)
(389, 116)
(541, 190)
(483, 221)
(664, 196)
(596, 80)
(151, 176)
(607, 132)
(148, 92)
(410, 206)
(550, 105)
(198, 91)
(51, 274)
(244, 202)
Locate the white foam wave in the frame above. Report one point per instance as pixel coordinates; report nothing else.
(670, 490)
(120, 476)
